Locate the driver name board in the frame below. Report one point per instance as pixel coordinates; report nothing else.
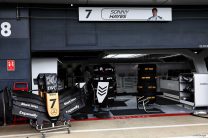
(124, 14)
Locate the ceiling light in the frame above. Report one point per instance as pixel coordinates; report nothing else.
(170, 56)
(116, 56)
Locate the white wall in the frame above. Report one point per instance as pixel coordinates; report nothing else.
(43, 65)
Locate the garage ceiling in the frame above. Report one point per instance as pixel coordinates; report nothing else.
(98, 56)
(112, 2)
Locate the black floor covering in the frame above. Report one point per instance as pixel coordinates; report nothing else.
(165, 101)
(118, 104)
(134, 112)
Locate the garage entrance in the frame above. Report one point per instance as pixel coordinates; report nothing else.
(139, 83)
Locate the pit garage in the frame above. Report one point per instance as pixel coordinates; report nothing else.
(132, 73)
(64, 65)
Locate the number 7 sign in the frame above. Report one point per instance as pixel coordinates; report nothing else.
(10, 65)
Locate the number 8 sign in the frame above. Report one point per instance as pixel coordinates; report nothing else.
(6, 29)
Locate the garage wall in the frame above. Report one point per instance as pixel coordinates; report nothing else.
(16, 47)
(164, 67)
(61, 30)
(126, 74)
(43, 65)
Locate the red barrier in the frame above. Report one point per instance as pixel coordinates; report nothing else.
(20, 86)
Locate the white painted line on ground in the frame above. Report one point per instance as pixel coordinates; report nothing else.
(133, 128)
(199, 136)
(108, 129)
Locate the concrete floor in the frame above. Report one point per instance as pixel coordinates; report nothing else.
(154, 127)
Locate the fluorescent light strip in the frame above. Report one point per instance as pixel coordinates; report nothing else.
(116, 56)
(170, 56)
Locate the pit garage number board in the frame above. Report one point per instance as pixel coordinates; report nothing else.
(124, 14)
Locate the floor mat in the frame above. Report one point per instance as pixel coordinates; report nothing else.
(134, 112)
(165, 101)
(118, 104)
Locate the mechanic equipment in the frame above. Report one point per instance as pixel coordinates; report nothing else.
(188, 86)
(104, 88)
(146, 85)
(193, 91)
(147, 79)
(50, 110)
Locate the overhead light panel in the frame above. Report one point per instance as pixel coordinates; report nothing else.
(116, 56)
(170, 56)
